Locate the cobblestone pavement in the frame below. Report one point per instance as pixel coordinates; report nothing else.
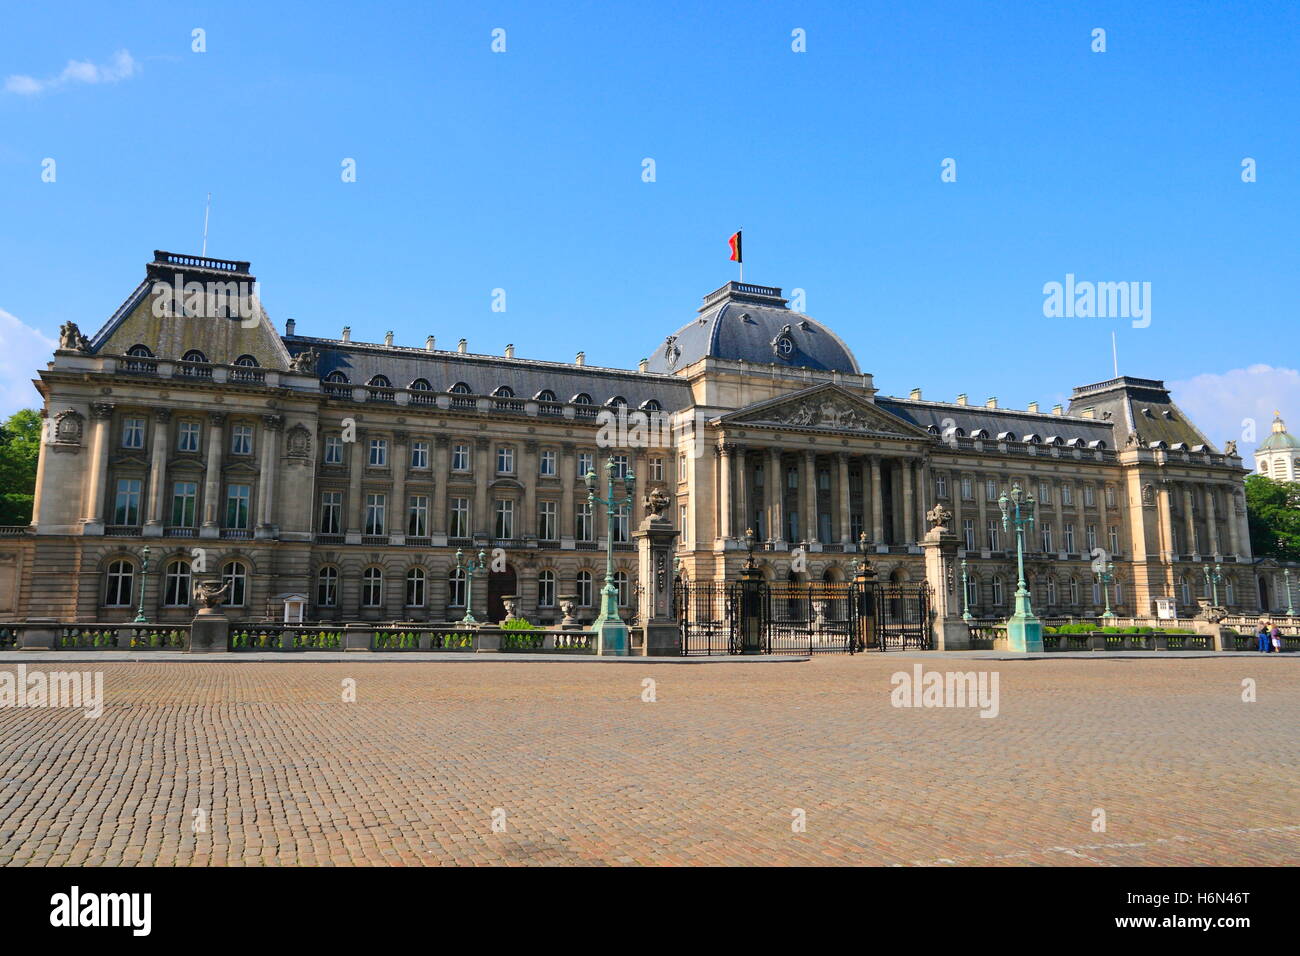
(581, 770)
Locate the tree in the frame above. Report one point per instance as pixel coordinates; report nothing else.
(20, 447)
(1273, 508)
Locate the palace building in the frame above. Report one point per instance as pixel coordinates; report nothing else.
(353, 472)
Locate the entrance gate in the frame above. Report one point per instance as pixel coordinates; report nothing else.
(760, 617)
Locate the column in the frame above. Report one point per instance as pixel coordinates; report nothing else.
(808, 496)
(846, 530)
(922, 497)
(723, 509)
(212, 479)
(397, 508)
(1211, 522)
(642, 471)
(568, 466)
(1230, 519)
(954, 495)
(101, 414)
(441, 470)
(905, 472)
(981, 521)
(745, 519)
(1166, 523)
(1189, 518)
(1103, 528)
(153, 526)
(775, 483)
(482, 463)
(271, 425)
(357, 457)
(527, 525)
(877, 510)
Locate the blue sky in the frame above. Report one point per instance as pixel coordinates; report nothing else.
(523, 171)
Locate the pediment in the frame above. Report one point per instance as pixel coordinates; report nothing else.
(827, 408)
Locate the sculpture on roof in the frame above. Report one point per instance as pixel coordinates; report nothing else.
(71, 339)
(1230, 448)
(305, 361)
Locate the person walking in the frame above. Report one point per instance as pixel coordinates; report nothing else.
(1262, 637)
(1277, 639)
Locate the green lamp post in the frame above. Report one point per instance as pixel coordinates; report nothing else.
(1213, 578)
(611, 631)
(1290, 609)
(144, 577)
(1024, 630)
(965, 594)
(1105, 575)
(471, 568)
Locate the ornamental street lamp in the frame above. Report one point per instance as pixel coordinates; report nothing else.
(965, 594)
(144, 576)
(613, 632)
(1212, 581)
(471, 568)
(1105, 575)
(1286, 575)
(750, 541)
(1024, 630)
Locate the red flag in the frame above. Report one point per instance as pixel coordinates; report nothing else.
(734, 242)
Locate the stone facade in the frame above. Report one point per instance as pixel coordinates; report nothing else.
(353, 473)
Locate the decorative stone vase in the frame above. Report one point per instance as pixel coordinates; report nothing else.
(568, 604)
(511, 603)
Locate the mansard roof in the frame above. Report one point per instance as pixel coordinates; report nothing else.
(1140, 405)
(971, 419)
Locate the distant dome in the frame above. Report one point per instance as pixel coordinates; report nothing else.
(750, 323)
(1279, 439)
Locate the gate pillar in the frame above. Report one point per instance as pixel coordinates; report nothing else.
(654, 544)
(751, 608)
(949, 632)
(865, 610)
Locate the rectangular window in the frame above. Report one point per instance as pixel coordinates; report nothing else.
(376, 505)
(968, 533)
(682, 527)
(241, 440)
(419, 454)
(546, 520)
(618, 524)
(1047, 537)
(586, 463)
(681, 467)
(1089, 496)
(1114, 540)
(333, 449)
(185, 497)
(546, 464)
(792, 525)
(460, 458)
(504, 519)
(824, 480)
(417, 516)
(378, 452)
(990, 490)
(1044, 492)
(1090, 536)
(187, 437)
(940, 486)
(126, 509)
(133, 433)
(1069, 538)
(967, 489)
(992, 531)
(657, 470)
(582, 522)
(237, 499)
(620, 466)
(459, 518)
(505, 460)
(1110, 497)
(1067, 495)
(792, 480)
(331, 512)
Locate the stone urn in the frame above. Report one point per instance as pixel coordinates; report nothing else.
(511, 603)
(568, 604)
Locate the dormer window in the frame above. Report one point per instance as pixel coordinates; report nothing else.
(582, 398)
(460, 388)
(194, 355)
(421, 385)
(651, 405)
(246, 361)
(618, 401)
(139, 351)
(380, 381)
(336, 378)
(503, 391)
(1032, 439)
(545, 395)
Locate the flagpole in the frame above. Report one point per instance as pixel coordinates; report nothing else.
(741, 263)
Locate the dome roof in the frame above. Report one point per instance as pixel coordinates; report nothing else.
(751, 323)
(1279, 439)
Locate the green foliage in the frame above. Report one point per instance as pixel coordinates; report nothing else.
(518, 624)
(1273, 509)
(20, 447)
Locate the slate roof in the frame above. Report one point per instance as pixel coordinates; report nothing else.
(972, 418)
(739, 322)
(1139, 405)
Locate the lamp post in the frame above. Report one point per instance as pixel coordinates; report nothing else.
(471, 568)
(1290, 609)
(144, 577)
(1105, 575)
(1212, 581)
(1024, 630)
(612, 630)
(965, 594)
(750, 541)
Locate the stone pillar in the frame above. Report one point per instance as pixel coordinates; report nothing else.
(654, 544)
(905, 525)
(846, 530)
(395, 523)
(441, 471)
(808, 498)
(775, 489)
(526, 527)
(949, 631)
(271, 425)
(1189, 518)
(153, 525)
(1211, 521)
(922, 492)
(877, 512)
(1166, 524)
(210, 630)
(482, 516)
(744, 518)
(1230, 519)
(358, 455)
(568, 467)
(1103, 528)
(101, 414)
(723, 509)
(1238, 510)
(212, 479)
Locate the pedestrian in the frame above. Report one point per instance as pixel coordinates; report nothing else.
(1262, 637)
(1277, 640)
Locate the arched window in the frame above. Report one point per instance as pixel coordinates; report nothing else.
(327, 587)
(456, 588)
(582, 398)
(194, 355)
(176, 584)
(545, 395)
(503, 391)
(336, 378)
(380, 381)
(546, 589)
(584, 589)
(980, 433)
(651, 405)
(421, 385)
(1033, 440)
(119, 584)
(415, 587)
(372, 587)
(618, 401)
(235, 574)
(246, 361)
(460, 388)
(139, 351)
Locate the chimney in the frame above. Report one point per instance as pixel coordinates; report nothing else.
(581, 359)
(510, 351)
(347, 333)
(961, 399)
(388, 337)
(1033, 408)
(1089, 412)
(289, 326)
(428, 344)
(992, 402)
(643, 365)
(915, 395)
(1057, 409)
(462, 346)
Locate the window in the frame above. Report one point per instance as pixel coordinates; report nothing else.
(792, 526)
(620, 582)
(992, 532)
(823, 480)
(505, 460)
(235, 576)
(126, 508)
(460, 388)
(331, 512)
(1047, 537)
(1069, 538)
(504, 518)
(327, 587)
(187, 437)
(1051, 591)
(546, 589)
(792, 478)
(1119, 593)
(584, 589)
(941, 486)
(1186, 591)
(1096, 592)
(1067, 494)
(546, 464)
(1090, 537)
(415, 587)
(456, 587)
(582, 522)
(118, 584)
(194, 355)
(460, 458)
(618, 522)
(1230, 592)
(545, 395)
(1089, 496)
(176, 584)
(333, 449)
(972, 592)
(336, 378)
(1074, 592)
(1114, 539)
(133, 433)
(237, 506)
(1044, 493)
(372, 587)
(990, 490)
(967, 489)
(546, 520)
(185, 496)
(378, 452)
(1110, 497)
(997, 591)
(419, 454)
(459, 518)
(503, 391)
(620, 466)
(968, 533)
(241, 440)
(681, 467)
(376, 504)
(682, 526)
(417, 516)
(586, 463)
(657, 471)
(246, 361)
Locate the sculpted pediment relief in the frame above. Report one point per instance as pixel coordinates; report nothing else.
(832, 411)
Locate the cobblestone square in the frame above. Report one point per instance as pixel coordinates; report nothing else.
(576, 768)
